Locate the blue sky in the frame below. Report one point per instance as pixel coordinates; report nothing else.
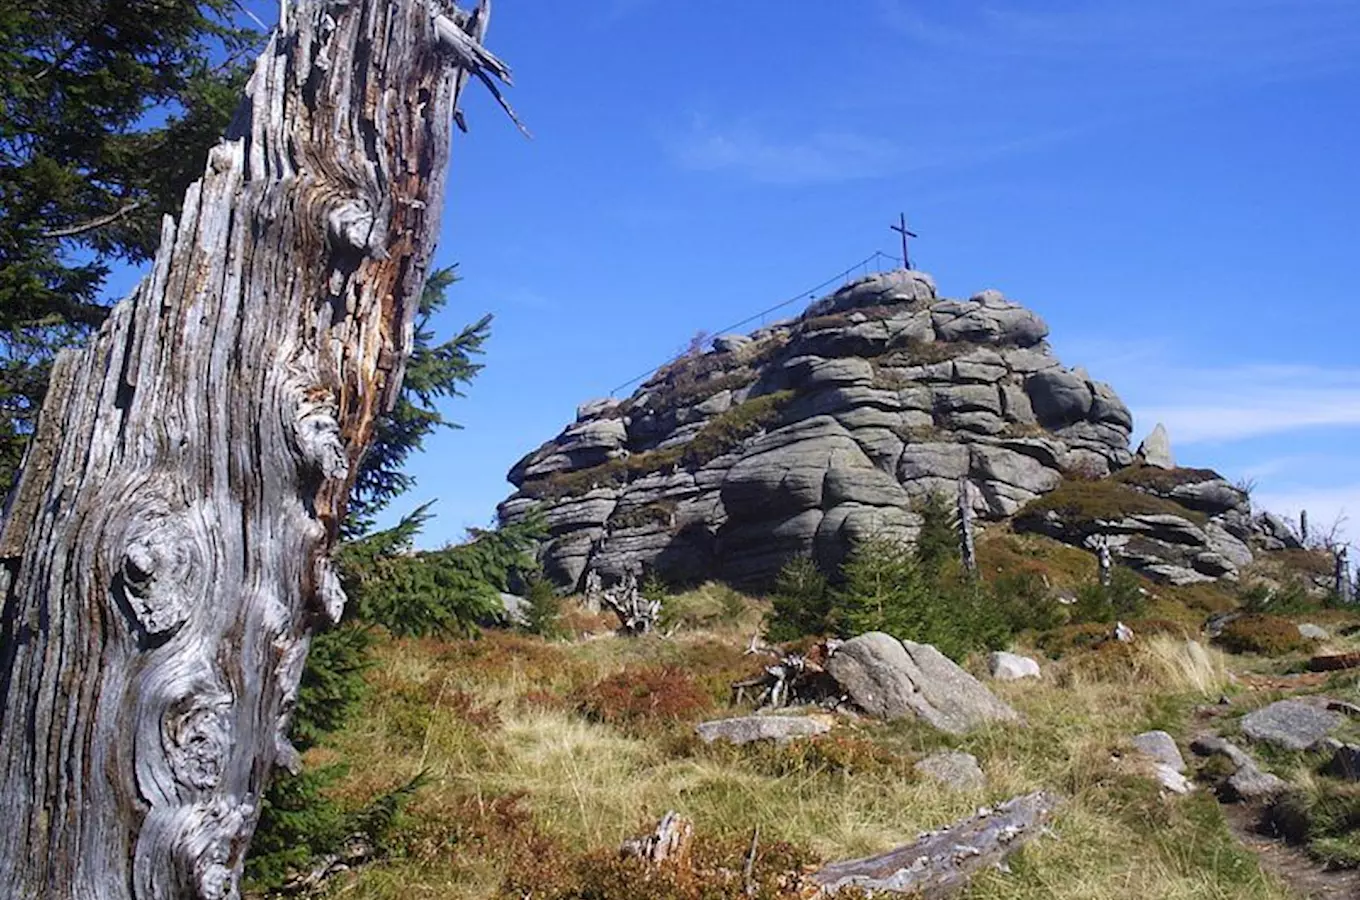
(1172, 184)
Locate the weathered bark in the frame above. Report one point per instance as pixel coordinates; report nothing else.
(164, 557)
(940, 863)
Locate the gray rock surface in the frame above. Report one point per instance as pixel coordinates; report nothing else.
(1291, 724)
(1005, 666)
(1313, 632)
(749, 729)
(959, 771)
(1248, 782)
(893, 679)
(812, 432)
(1345, 763)
(1155, 450)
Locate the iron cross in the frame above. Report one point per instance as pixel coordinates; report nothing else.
(901, 228)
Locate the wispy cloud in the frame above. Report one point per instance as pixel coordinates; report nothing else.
(819, 156)
(1270, 38)
(1239, 402)
(764, 154)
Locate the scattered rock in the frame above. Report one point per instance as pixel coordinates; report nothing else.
(1160, 747)
(957, 770)
(1248, 783)
(1155, 450)
(748, 729)
(1345, 763)
(1313, 632)
(894, 679)
(1290, 724)
(1005, 666)
(940, 863)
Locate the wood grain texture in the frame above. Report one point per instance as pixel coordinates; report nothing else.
(165, 555)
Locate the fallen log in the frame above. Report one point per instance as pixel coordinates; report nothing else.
(939, 863)
(1334, 662)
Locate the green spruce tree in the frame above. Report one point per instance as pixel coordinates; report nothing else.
(109, 109)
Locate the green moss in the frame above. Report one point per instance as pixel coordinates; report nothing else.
(658, 513)
(719, 435)
(1080, 503)
(725, 431)
(1161, 480)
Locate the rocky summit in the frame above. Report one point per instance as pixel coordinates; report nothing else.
(812, 433)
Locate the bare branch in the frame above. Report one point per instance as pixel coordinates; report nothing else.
(93, 224)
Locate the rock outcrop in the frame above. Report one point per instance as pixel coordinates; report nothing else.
(812, 433)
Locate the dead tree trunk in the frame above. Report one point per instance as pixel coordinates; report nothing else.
(164, 556)
(967, 548)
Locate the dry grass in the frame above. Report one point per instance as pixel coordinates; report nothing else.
(521, 779)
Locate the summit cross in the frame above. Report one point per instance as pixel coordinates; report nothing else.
(901, 228)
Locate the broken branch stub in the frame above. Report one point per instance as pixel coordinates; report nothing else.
(165, 554)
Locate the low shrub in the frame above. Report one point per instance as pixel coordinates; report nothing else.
(639, 699)
(1122, 598)
(660, 512)
(713, 868)
(1263, 634)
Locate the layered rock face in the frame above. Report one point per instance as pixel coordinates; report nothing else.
(812, 433)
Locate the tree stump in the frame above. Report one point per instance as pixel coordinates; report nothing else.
(165, 554)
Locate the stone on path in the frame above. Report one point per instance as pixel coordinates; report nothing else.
(1291, 724)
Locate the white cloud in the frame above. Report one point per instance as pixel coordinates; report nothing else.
(818, 156)
(1234, 403)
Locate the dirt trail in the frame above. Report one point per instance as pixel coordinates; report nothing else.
(1304, 877)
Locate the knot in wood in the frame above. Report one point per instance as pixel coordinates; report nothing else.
(196, 740)
(161, 569)
(316, 432)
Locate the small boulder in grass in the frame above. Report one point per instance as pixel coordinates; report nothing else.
(1291, 724)
(749, 729)
(1005, 666)
(1167, 763)
(959, 771)
(1160, 747)
(1313, 632)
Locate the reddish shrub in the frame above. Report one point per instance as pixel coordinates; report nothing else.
(1264, 634)
(641, 698)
